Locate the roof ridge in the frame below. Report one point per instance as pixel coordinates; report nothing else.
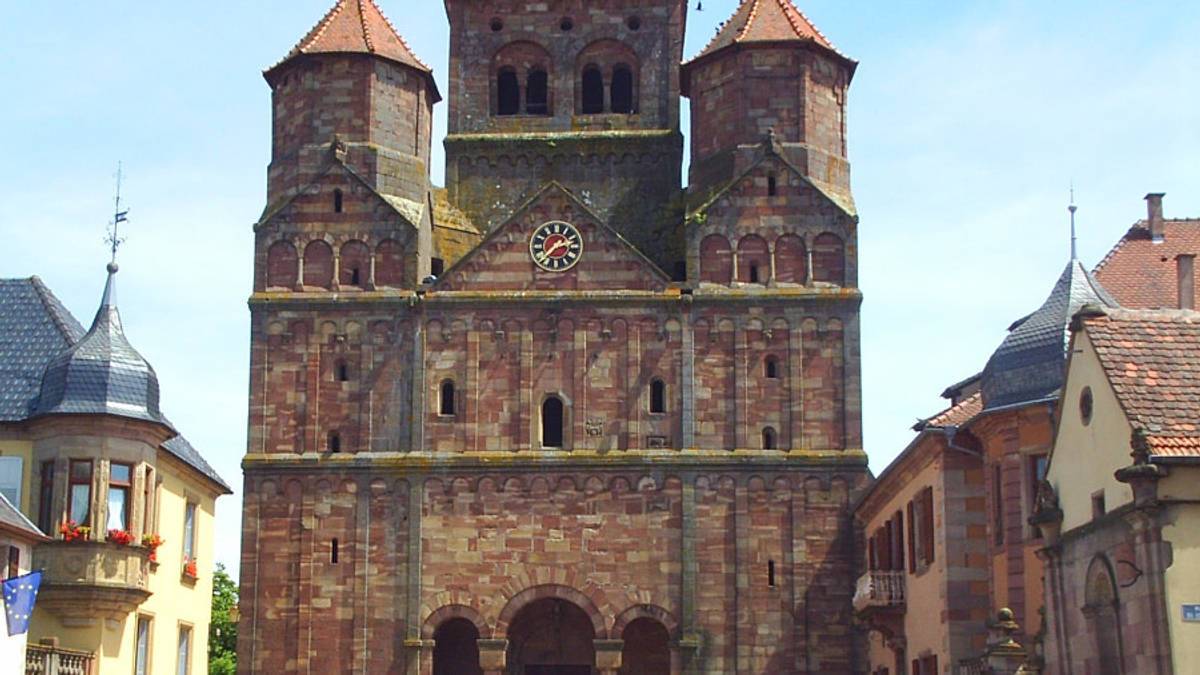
(807, 21)
(398, 35)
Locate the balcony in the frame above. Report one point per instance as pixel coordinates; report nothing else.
(879, 589)
(86, 580)
(51, 660)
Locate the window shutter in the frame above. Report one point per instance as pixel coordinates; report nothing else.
(927, 524)
(912, 527)
(898, 531)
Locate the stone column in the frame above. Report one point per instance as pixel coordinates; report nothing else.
(492, 656)
(608, 656)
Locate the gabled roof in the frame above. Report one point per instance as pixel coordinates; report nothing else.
(957, 414)
(1152, 360)
(769, 149)
(517, 213)
(1029, 365)
(762, 22)
(1140, 272)
(12, 520)
(356, 27)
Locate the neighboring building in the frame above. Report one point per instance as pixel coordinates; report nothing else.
(98, 467)
(1120, 508)
(924, 595)
(18, 536)
(981, 461)
(620, 430)
(1153, 265)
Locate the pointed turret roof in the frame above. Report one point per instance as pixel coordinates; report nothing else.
(1030, 363)
(355, 27)
(102, 373)
(765, 21)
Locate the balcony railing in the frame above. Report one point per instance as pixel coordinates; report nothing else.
(92, 579)
(970, 667)
(48, 660)
(879, 589)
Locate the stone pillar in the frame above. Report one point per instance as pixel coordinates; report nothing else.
(493, 656)
(420, 656)
(608, 656)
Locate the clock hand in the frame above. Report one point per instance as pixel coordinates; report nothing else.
(557, 245)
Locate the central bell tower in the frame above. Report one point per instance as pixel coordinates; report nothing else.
(582, 93)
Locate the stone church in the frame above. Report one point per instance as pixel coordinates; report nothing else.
(560, 416)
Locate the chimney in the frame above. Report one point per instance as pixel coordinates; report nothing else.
(1185, 265)
(1154, 216)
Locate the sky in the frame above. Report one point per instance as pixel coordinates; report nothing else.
(968, 123)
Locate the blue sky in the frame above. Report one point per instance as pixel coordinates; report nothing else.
(968, 121)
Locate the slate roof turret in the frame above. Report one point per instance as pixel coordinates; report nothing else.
(1030, 363)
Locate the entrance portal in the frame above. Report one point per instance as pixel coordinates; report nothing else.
(551, 637)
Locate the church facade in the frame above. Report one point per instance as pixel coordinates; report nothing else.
(561, 415)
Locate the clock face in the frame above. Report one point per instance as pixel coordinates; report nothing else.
(556, 246)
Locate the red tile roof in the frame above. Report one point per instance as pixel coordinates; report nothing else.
(1140, 273)
(766, 21)
(1152, 360)
(356, 27)
(958, 414)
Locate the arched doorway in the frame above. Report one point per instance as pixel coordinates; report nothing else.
(646, 650)
(456, 648)
(551, 636)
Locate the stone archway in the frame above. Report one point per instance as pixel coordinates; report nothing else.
(551, 636)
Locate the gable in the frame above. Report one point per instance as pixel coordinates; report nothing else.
(360, 204)
(750, 184)
(503, 262)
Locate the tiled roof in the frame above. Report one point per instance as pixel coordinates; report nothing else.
(357, 27)
(36, 329)
(1152, 360)
(1140, 272)
(12, 519)
(765, 21)
(101, 373)
(958, 414)
(1029, 364)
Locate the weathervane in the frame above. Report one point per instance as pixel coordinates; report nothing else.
(113, 239)
(1072, 208)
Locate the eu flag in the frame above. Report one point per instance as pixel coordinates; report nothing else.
(19, 595)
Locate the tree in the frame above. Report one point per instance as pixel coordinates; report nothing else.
(222, 631)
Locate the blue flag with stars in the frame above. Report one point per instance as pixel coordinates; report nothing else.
(19, 595)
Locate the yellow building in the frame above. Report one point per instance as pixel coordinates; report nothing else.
(88, 456)
(1120, 508)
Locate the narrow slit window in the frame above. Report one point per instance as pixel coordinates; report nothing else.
(355, 277)
(771, 187)
(768, 438)
(508, 92)
(446, 406)
(552, 422)
(658, 396)
(337, 201)
(771, 368)
(342, 372)
(753, 273)
(771, 573)
(437, 266)
(333, 551)
(334, 442)
(622, 90)
(592, 93)
(537, 100)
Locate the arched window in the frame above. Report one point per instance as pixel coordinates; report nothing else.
(354, 265)
(536, 93)
(281, 265)
(508, 92)
(716, 260)
(771, 368)
(621, 95)
(341, 372)
(318, 264)
(446, 399)
(791, 259)
(337, 201)
(768, 438)
(333, 442)
(829, 259)
(456, 648)
(753, 260)
(658, 396)
(646, 647)
(552, 422)
(592, 91)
